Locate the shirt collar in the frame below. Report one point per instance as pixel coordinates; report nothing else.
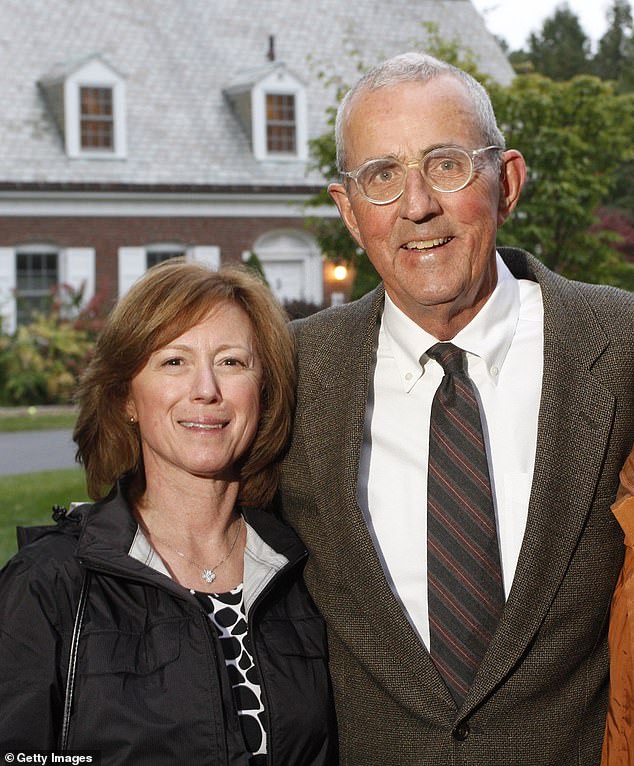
(488, 335)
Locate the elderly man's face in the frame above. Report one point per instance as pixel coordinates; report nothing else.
(435, 251)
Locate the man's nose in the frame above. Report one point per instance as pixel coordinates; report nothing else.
(419, 199)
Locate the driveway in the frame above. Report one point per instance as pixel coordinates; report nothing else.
(29, 451)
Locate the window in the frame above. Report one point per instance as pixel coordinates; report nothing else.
(96, 118)
(87, 100)
(30, 273)
(271, 105)
(280, 123)
(36, 279)
(133, 262)
(158, 256)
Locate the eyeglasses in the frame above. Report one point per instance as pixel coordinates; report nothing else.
(446, 169)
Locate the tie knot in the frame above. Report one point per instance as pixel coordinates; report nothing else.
(448, 356)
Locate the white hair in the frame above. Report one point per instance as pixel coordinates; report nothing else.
(418, 67)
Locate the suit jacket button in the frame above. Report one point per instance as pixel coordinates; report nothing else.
(461, 732)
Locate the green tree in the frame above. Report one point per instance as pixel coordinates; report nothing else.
(561, 50)
(614, 59)
(575, 137)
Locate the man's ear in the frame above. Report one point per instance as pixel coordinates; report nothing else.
(340, 197)
(512, 178)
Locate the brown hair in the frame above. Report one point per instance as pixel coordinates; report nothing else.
(168, 300)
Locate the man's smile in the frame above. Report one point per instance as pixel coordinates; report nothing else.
(426, 244)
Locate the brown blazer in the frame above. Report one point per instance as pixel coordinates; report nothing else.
(541, 692)
(618, 745)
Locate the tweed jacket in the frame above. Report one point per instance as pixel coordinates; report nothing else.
(540, 694)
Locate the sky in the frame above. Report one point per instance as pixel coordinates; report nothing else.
(514, 21)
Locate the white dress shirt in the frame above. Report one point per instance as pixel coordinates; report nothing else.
(504, 345)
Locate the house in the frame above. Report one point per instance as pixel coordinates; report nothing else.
(134, 130)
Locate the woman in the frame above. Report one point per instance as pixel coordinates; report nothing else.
(199, 642)
(618, 744)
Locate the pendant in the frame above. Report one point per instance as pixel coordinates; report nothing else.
(208, 575)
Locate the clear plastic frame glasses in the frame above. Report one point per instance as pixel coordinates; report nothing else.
(445, 169)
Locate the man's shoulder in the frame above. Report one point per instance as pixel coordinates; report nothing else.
(339, 319)
(601, 298)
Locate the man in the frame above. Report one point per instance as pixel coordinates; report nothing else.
(552, 366)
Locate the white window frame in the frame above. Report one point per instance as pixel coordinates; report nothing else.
(94, 74)
(75, 267)
(132, 261)
(279, 82)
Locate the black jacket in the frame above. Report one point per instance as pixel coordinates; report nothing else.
(151, 686)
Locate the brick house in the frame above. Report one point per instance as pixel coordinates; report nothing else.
(133, 130)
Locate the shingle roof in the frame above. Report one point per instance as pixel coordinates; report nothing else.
(177, 57)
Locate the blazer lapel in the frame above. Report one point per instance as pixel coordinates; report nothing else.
(576, 417)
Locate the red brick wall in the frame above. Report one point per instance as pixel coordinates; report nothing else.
(107, 235)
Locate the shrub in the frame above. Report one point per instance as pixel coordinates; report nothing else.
(41, 362)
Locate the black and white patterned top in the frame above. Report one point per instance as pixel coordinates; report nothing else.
(227, 613)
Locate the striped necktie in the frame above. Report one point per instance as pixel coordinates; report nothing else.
(464, 578)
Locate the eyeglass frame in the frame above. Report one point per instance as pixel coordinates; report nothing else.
(470, 153)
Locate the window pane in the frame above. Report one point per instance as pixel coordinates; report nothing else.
(96, 120)
(158, 256)
(37, 277)
(96, 134)
(280, 123)
(96, 101)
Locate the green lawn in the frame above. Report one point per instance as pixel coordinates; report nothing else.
(37, 422)
(27, 499)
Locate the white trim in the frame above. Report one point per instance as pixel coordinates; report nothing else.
(94, 74)
(208, 254)
(131, 265)
(8, 281)
(279, 82)
(293, 247)
(76, 267)
(131, 205)
(132, 261)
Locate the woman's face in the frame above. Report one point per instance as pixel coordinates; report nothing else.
(197, 399)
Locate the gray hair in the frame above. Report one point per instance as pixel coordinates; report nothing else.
(418, 67)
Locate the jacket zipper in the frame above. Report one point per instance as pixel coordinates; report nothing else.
(270, 761)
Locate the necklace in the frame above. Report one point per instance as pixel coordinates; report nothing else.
(208, 574)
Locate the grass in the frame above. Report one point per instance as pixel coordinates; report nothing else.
(37, 422)
(27, 499)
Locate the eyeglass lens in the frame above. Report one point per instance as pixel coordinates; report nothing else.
(446, 169)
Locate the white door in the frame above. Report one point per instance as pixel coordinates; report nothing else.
(286, 279)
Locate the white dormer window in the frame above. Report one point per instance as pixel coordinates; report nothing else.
(87, 100)
(272, 106)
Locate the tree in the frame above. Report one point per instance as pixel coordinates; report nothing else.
(561, 50)
(575, 136)
(614, 59)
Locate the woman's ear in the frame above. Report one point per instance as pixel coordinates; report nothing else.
(130, 411)
(512, 178)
